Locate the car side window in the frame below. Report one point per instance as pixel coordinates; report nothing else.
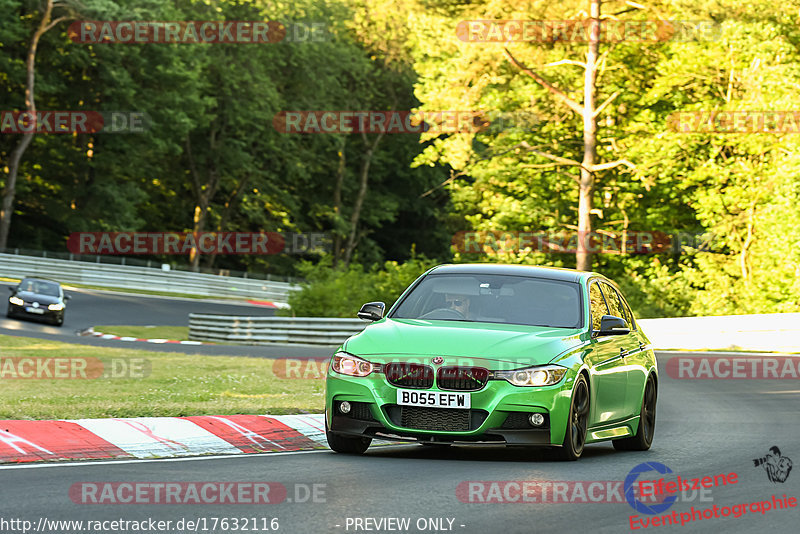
(628, 312)
(612, 299)
(597, 305)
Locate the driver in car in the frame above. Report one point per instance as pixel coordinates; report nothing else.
(459, 303)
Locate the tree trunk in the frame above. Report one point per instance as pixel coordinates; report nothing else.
(362, 193)
(7, 207)
(583, 256)
(198, 227)
(225, 215)
(337, 203)
(588, 111)
(204, 191)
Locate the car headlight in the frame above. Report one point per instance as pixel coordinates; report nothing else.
(56, 307)
(533, 376)
(16, 301)
(350, 365)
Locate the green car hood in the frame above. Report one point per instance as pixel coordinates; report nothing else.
(495, 346)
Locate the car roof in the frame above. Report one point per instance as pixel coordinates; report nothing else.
(39, 280)
(532, 271)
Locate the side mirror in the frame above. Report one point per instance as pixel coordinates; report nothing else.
(67, 296)
(611, 325)
(372, 311)
(12, 288)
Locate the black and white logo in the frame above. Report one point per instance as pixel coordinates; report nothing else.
(776, 466)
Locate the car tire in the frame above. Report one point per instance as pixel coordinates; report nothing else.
(577, 422)
(10, 313)
(346, 444)
(647, 421)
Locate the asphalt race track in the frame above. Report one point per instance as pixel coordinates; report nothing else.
(704, 428)
(91, 307)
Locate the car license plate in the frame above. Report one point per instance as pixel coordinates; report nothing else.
(39, 311)
(432, 399)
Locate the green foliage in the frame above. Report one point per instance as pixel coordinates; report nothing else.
(219, 101)
(740, 188)
(340, 292)
(212, 145)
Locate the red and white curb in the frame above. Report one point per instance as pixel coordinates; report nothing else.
(158, 437)
(101, 335)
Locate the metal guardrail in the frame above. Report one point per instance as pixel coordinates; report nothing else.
(779, 332)
(143, 278)
(264, 330)
(773, 332)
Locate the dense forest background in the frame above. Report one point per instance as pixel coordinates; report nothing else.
(211, 159)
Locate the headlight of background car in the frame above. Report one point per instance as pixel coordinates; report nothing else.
(16, 301)
(56, 307)
(350, 365)
(534, 376)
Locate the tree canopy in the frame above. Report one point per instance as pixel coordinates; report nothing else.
(210, 157)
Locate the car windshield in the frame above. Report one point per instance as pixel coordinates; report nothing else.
(40, 287)
(494, 299)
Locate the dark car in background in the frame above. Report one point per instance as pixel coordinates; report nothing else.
(38, 298)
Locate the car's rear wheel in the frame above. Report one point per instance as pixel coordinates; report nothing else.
(346, 444)
(577, 424)
(647, 421)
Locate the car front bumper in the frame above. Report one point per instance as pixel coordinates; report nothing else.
(498, 413)
(21, 311)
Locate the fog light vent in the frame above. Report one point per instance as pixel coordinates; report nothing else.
(536, 419)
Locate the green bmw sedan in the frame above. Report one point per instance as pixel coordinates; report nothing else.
(496, 354)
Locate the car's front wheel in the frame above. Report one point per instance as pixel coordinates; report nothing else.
(647, 422)
(577, 424)
(346, 444)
